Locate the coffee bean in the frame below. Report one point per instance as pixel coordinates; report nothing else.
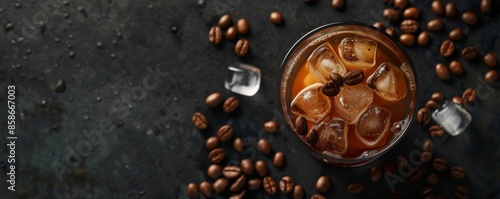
(391, 15)
(490, 60)
(426, 156)
(271, 126)
(431, 104)
(456, 68)
(199, 120)
(225, 132)
(231, 33)
(215, 35)
(213, 100)
(238, 184)
(447, 48)
(301, 125)
(312, 137)
(241, 47)
(400, 4)
(355, 188)
(220, 185)
(354, 77)
(486, 6)
(231, 172)
(269, 185)
(225, 21)
(428, 145)
(414, 174)
(423, 116)
(254, 184)
(247, 167)
(423, 38)
(212, 142)
(317, 196)
(456, 34)
(409, 26)
(491, 76)
(390, 31)
(242, 26)
(461, 192)
(411, 13)
(439, 164)
(469, 53)
(230, 104)
(239, 195)
(337, 4)
(214, 171)
(286, 184)
(264, 146)
(450, 10)
(395, 193)
(206, 189)
(330, 89)
(437, 7)
(216, 155)
(378, 25)
(442, 72)
(323, 184)
(426, 191)
(457, 172)
(469, 18)
(438, 97)
(279, 159)
(276, 18)
(407, 39)
(469, 95)
(458, 100)
(192, 190)
(238, 145)
(261, 168)
(298, 192)
(436, 131)
(375, 174)
(435, 25)
(336, 78)
(432, 179)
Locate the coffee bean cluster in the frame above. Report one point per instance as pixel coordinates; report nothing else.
(332, 88)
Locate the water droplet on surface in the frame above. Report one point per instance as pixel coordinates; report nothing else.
(71, 54)
(98, 99)
(66, 15)
(99, 44)
(86, 117)
(201, 3)
(56, 40)
(70, 46)
(60, 86)
(28, 51)
(113, 55)
(82, 11)
(17, 5)
(8, 26)
(174, 29)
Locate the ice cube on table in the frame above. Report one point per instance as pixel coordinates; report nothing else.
(373, 125)
(311, 103)
(389, 82)
(352, 101)
(323, 61)
(358, 53)
(242, 79)
(333, 135)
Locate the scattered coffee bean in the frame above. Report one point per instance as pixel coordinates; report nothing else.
(407, 39)
(301, 125)
(426, 156)
(447, 48)
(428, 145)
(212, 142)
(298, 192)
(238, 184)
(243, 26)
(486, 6)
(375, 174)
(469, 95)
(337, 4)
(435, 25)
(409, 26)
(456, 34)
(271, 126)
(317, 196)
(390, 31)
(456, 68)
(279, 160)
(323, 184)
(192, 190)
(438, 97)
(220, 185)
(239, 195)
(286, 184)
(378, 25)
(437, 7)
(491, 76)
(436, 131)
(206, 189)
(432, 179)
(395, 193)
(354, 77)
(461, 192)
(423, 38)
(264, 146)
(423, 116)
(490, 60)
(469, 18)
(411, 13)
(355, 188)
(213, 100)
(415, 173)
(261, 168)
(214, 171)
(199, 120)
(457, 172)
(241, 47)
(336, 78)
(215, 35)
(216, 155)
(247, 167)
(330, 89)
(469, 53)
(276, 18)
(231, 33)
(231, 172)
(400, 4)
(225, 132)
(426, 191)
(230, 104)
(254, 184)
(269, 185)
(450, 10)
(442, 72)
(391, 15)
(312, 137)
(431, 104)
(458, 100)
(238, 145)
(439, 164)
(225, 21)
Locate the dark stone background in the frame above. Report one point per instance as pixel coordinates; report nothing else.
(155, 151)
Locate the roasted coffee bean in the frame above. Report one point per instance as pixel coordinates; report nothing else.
(269, 185)
(261, 168)
(439, 164)
(254, 184)
(426, 191)
(450, 10)
(199, 120)
(206, 189)
(355, 188)
(438, 97)
(456, 34)
(458, 100)
(390, 31)
(247, 167)
(435, 25)
(192, 190)
(301, 125)
(486, 6)
(225, 21)
(317, 196)
(216, 155)
(400, 4)
(456, 68)
(469, 18)
(312, 137)
(212, 142)
(414, 174)
(428, 145)
(469, 95)
(337, 4)
(276, 18)
(323, 184)
(354, 77)
(238, 184)
(411, 13)
(431, 104)
(231, 172)
(336, 78)
(437, 7)
(423, 116)
(239, 195)
(271, 126)
(220, 185)
(490, 60)
(279, 159)
(391, 15)
(238, 145)
(231, 33)
(375, 174)
(442, 72)
(241, 47)
(231, 104)
(243, 26)
(298, 192)
(436, 131)
(461, 192)
(407, 39)
(423, 38)
(330, 89)
(264, 146)
(491, 76)
(447, 48)
(409, 26)
(432, 179)
(286, 184)
(426, 156)
(378, 25)
(214, 171)
(213, 100)
(457, 172)
(395, 193)
(225, 132)
(215, 35)
(469, 53)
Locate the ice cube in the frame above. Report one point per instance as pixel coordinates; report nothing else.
(389, 82)
(242, 79)
(352, 101)
(373, 125)
(323, 61)
(333, 135)
(311, 103)
(358, 53)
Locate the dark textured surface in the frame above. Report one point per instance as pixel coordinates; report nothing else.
(155, 151)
